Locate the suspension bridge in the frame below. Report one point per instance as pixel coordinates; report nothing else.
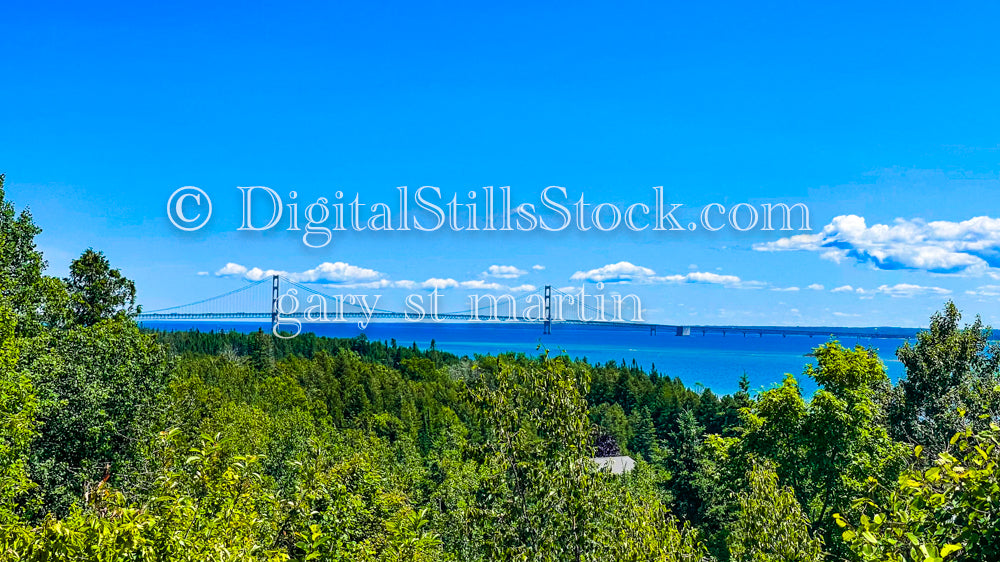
(264, 300)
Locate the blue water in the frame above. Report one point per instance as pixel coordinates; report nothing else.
(709, 361)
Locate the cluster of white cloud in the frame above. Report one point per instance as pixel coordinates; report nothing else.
(985, 291)
(342, 274)
(504, 272)
(627, 272)
(622, 271)
(475, 284)
(897, 290)
(970, 247)
(846, 314)
(811, 287)
(704, 277)
(336, 273)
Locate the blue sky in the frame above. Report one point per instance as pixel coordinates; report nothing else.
(887, 113)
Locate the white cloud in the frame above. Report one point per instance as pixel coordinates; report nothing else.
(435, 283)
(897, 290)
(380, 284)
(815, 287)
(969, 247)
(231, 269)
(335, 273)
(341, 275)
(474, 285)
(702, 277)
(256, 273)
(481, 285)
(620, 272)
(626, 272)
(538, 267)
(504, 272)
(985, 291)
(203, 273)
(785, 289)
(908, 290)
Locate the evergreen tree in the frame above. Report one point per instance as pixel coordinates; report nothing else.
(642, 433)
(97, 291)
(681, 461)
(262, 352)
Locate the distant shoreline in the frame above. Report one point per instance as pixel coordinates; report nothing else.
(712, 361)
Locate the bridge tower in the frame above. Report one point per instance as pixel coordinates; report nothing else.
(548, 310)
(274, 302)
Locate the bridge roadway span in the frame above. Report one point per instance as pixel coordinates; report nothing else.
(812, 331)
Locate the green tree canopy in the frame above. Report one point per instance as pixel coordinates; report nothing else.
(949, 511)
(18, 407)
(951, 377)
(97, 291)
(96, 388)
(771, 526)
(826, 448)
(33, 298)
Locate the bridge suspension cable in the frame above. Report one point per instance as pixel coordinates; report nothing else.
(241, 291)
(259, 300)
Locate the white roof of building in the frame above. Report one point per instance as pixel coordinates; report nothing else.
(616, 465)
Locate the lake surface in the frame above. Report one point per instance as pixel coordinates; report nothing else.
(713, 361)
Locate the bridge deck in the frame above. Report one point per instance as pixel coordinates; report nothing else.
(263, 296)
(811, 331)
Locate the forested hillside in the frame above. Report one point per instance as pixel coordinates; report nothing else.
(120, 444)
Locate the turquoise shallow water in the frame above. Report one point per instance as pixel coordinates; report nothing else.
(712, 361)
